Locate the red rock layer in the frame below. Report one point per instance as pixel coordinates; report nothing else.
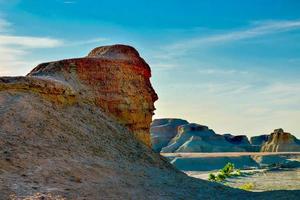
(116, 79)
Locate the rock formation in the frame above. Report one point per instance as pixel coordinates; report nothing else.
(198, 138)
(115, 78)
(280, 141)
(63, 134)
(163, 130)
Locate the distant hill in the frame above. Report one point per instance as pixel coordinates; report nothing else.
(177, 135)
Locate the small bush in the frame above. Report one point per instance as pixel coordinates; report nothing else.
(247, 186)
(211, 177)
(227, 171)
(220, 177)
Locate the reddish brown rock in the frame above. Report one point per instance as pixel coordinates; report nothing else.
(116, 79)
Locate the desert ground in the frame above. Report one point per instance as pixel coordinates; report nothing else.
(277, 175)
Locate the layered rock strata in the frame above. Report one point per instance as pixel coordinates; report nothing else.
(115, 78)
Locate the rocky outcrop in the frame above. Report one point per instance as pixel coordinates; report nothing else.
(115, 78)
(163, 130)
(280, 141)
(198, 138)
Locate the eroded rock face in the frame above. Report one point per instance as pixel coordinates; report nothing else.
(163, 130)
(115, 78)
(280, 141)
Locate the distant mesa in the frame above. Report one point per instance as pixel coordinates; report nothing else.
(280, 141)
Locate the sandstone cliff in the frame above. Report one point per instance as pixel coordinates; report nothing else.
(280, 141)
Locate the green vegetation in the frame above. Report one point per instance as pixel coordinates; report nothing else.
(227, 171)
(247, 186)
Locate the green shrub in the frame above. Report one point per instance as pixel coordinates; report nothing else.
(211, 177)
(220, 177)
(247, 186)
(228, 169)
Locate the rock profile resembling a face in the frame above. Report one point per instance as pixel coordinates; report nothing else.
(115, 78)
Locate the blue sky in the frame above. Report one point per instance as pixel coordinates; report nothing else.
(232, 65)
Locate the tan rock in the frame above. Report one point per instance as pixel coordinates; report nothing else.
(280, 141)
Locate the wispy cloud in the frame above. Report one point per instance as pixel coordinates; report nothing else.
(29, 42)
(255, 30)
(216, 71)
(14, 49)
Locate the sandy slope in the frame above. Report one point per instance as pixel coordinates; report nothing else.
(79, 153)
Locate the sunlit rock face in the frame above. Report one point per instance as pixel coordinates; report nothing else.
(115, 78)
(280, 141)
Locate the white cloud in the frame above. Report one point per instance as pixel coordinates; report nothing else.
(29, 42)
(256, 30)
(15, 48)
